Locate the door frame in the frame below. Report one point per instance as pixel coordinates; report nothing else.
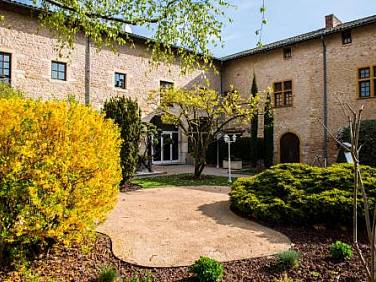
(299, 145)
(162, 161)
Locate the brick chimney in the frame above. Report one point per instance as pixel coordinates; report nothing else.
(332, 21)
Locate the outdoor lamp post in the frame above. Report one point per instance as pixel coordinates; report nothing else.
(228, 140)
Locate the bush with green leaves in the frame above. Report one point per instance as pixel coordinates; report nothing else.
(143, 277)
(302, 194)
(340, 251)
(6, 91)
(288, 259)
(367, 138)
(107, 274)
(207, 270)
(127, 115)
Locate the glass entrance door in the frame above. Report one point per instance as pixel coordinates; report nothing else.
(166, 148)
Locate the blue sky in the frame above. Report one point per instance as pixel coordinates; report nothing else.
(286, 18)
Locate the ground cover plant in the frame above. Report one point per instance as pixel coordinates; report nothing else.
(340, 251)
(184, 179)
(301, 194)
(288, 259)
(59, 173)
(207, 270)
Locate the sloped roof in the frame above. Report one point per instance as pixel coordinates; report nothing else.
(303, 37)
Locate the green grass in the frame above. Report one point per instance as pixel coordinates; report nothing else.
(181, 180)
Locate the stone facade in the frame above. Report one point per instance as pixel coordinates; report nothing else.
(305, 69)
(33, 48)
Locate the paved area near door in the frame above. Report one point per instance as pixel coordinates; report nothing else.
(175, 226)
(208, 170)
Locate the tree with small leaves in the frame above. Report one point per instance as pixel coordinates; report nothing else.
(202, 115)
(192, 25)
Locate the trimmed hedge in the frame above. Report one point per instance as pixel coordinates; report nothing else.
(367, 138)
(126, 113)
(59, 172)
(301, 194)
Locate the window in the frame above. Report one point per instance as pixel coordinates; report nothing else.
(287, 53)
(346, 37)
(59, 70)
(5, 67)
(166, 84)
(364, 77)
(283, 94)
(120, 80)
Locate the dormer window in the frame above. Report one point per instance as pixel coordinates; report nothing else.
(287, 53)
(346, 37)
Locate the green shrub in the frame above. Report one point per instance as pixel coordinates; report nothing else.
(207, 270)
(284, 278)
(301, 194)
(107, 274)
(144, 277)
(367, 138)
(59, 172)
(340, 251)
(6, 91)
(288, 259)
(127, 115)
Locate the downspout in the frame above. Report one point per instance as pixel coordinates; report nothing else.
(221, 85)
(325, 101)
(87, 72)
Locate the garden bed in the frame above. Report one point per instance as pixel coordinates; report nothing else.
(315, 265)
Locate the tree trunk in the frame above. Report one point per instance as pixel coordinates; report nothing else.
(199, 167)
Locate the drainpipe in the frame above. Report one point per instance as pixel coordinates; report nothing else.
(221, 82)
(325, 100)
(87, 72)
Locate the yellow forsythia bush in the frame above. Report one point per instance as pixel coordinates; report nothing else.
(59, 171)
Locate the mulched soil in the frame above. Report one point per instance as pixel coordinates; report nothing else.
(128, 187)
(315, 263)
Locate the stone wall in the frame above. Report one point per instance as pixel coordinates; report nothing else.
(305, 69)
(33, 48)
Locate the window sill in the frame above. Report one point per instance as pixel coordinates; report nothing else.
(281, 107)
(366, 98)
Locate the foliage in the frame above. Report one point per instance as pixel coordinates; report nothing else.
(301, 194)
(268, 132)
(240, 149)
(107, 274)
(254, 127)
(202, 114)
(207, 270)
(288, 259)
(148, 134)
(190, 24)
(6, 91)
(59, 173)
(367, 138)
(340, 251)
(284, 278)
(145, 277)
(127, 115)
(181, 180)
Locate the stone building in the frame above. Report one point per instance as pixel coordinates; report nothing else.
(308, 73)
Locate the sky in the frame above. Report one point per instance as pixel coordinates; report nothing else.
(285, 18)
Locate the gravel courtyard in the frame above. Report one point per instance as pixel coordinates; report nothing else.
(174, 226)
